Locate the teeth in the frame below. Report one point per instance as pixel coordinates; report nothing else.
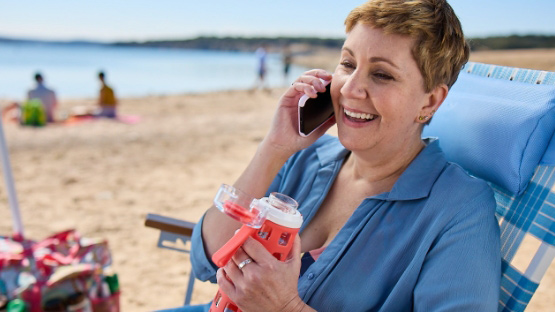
(359, 115)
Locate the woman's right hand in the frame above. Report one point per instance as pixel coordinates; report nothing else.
(284, 132)
(282, 141)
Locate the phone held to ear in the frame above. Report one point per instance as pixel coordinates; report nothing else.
(314, 112)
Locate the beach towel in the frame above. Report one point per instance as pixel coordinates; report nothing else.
(78, 119)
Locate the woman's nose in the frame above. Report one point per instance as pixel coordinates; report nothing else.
(353, 87)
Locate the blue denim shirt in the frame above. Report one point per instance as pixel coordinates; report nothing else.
(430, 244)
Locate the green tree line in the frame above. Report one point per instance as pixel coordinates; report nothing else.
(251, 43)
(238, 43)
(513, 42)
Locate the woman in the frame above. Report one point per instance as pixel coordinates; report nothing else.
(396, 227)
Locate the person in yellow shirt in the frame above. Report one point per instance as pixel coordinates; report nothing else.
(107, 99)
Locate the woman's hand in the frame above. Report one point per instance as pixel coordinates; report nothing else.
(265, 283)
(284, 133)
(282, 141)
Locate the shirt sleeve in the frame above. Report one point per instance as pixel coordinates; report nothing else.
(462, 270)
(203, 267)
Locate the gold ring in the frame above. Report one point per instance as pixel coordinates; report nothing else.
(243, 263)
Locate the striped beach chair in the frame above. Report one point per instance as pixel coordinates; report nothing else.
(498, 123)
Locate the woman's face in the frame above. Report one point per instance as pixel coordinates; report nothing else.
(378, 91)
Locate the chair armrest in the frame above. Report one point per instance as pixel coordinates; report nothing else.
(171, 225)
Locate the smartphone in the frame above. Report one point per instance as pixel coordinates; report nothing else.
(313, 112)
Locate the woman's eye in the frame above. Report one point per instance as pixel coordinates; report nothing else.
(383, 76)
(347, 64)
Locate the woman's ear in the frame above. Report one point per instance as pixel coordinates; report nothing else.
(435, 99)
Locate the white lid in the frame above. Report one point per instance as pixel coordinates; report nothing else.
(291, 219)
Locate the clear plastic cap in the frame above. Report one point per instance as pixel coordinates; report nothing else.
(283, 202)
(251, 211)
(240, 206)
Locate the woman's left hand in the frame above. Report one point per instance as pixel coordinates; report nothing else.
(265, 283)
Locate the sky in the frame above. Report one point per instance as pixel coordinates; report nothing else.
(140, 20)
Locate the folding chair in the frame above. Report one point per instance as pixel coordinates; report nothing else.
(498, 124)
(172, 233)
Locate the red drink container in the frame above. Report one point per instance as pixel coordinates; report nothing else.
(273, 221)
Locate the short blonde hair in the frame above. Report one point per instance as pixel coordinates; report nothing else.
(440, 49)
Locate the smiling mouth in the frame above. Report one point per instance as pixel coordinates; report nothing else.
(359, 117)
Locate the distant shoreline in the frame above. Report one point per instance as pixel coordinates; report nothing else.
(231, 43)
(309, 56)
(315, 52)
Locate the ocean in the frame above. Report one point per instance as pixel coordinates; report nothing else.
(71, 70)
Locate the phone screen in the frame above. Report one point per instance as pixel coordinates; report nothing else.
(315, 112)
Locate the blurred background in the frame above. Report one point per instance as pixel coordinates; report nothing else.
(184, 46)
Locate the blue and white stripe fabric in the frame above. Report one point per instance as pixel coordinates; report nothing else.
(527, 221)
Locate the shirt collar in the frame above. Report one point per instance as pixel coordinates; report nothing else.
(332, 152)
(414, 183)
(419, 177)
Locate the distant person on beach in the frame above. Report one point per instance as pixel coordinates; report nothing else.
(107, 99)
(287, 60)
(261, 54)
(46, 96)
(389, 223)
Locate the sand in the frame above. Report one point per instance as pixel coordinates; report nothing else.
(103, 177)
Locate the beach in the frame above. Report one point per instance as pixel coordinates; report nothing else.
(103, 177)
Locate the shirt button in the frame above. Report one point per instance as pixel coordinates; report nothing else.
(310, 276)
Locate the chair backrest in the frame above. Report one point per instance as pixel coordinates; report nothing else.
(498, 124)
